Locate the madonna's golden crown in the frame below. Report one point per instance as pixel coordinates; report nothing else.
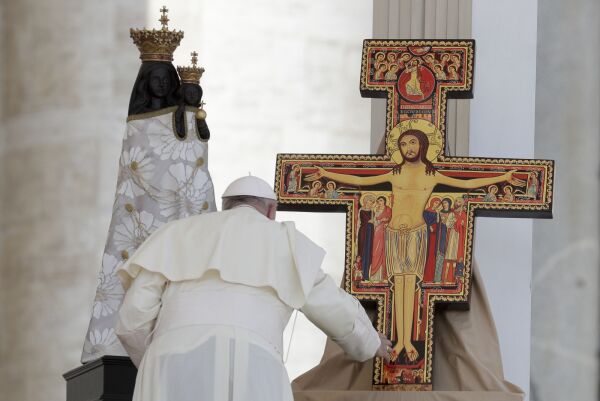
(191, 74)
(157, 45)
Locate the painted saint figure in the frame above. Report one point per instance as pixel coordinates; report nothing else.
(293, 179)
(392, 75)
(383, 214)
(412, 182)
(452, 238)
(492, 194)
(330, 191)
(365, 233)
(316, 190)
(438, 70)
(461, 228)
(446, 221)
(432, 219)
(508, 194)
(452, 74)
(532, 185)
(380, 71)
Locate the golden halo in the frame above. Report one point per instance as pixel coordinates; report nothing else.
(428, 128)
(366, 196)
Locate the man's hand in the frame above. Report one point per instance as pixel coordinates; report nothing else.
(385, 348)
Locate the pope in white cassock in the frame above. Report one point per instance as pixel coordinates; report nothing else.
(208, 298)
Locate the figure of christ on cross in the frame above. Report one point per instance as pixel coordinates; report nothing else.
(413, 181)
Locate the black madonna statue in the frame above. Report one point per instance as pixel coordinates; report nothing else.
(190, 95)
(163, 174)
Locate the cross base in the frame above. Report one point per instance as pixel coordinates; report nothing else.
(403, 387)
(406, 396)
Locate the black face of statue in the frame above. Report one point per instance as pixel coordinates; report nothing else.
(191, 94)
(159, 83)
(156, 86)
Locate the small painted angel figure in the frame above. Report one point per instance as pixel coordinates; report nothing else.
(438, 70)
(452, 74)
(331, 191)
(316, 190)
(492, 194)
(392, 74)
(508, 194)
(429, 60)
(380, 71)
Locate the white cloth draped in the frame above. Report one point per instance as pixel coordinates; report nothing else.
(161, 178)
(216, 335)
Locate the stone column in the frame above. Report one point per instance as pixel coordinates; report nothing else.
(65, 93)
(565, 335)
(428, 19)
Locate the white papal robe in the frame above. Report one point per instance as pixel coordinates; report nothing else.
(208, 298)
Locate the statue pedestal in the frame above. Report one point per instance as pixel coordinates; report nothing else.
(109, 378)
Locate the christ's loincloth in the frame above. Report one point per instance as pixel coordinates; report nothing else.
(406, 251)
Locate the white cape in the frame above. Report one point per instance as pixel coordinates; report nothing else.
(227, 241)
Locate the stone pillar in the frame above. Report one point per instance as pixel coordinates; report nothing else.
(428, 19)
(65, 93)
(565, 335)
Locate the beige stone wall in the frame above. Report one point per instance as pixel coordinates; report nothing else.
(65, 91)
(565, 282)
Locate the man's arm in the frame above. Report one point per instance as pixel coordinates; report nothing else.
(138, 313)
(344, 320)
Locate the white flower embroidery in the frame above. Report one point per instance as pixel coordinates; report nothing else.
(101, 341)
(135, 127)
(186, 191)
(110, 292)
(164, 144)
(136, 170)
(109, 264)
(135, 228)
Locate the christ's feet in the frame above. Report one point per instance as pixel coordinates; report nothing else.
(395, 353)
(411, 352)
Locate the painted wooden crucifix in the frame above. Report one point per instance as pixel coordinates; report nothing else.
(410, 212)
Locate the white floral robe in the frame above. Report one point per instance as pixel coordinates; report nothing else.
(204, 320)
(161, 178)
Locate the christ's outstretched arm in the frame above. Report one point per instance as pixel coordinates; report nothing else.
(478, 182)
(349, 179)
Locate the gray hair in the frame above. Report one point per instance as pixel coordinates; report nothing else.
(260, 204)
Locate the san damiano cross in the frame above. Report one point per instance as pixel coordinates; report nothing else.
(410, 212)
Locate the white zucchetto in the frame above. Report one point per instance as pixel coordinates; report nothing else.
(250, 186)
